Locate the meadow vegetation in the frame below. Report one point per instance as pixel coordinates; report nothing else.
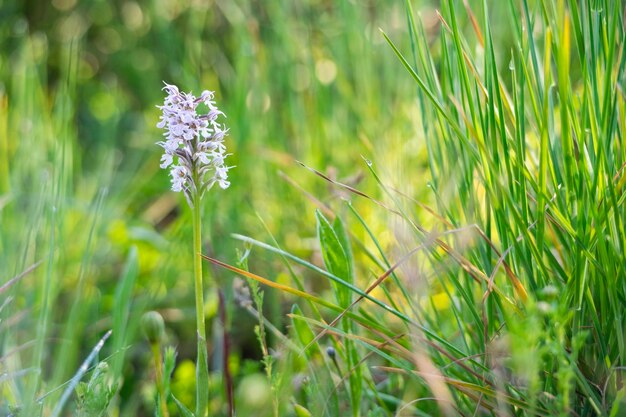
(426, 214)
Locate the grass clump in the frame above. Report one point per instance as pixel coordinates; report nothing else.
(533, 152)
(513, 303)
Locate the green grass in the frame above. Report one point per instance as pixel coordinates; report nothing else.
(455, 246)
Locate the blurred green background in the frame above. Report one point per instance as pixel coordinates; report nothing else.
(80, 184)
(477, 162)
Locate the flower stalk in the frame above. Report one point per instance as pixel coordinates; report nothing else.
(202, 371)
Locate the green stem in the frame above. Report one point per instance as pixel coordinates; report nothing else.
(158, 365)
(202, 371)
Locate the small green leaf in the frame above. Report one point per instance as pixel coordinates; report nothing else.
(184, 411)
(301, 411)
(303, 332)
(157, 409)
(169, 362)
(335, 256)
(342, 235)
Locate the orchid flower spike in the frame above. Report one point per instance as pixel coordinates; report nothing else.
(194, 150)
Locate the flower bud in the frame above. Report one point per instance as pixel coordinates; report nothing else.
(330, 351)
(153, 326)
